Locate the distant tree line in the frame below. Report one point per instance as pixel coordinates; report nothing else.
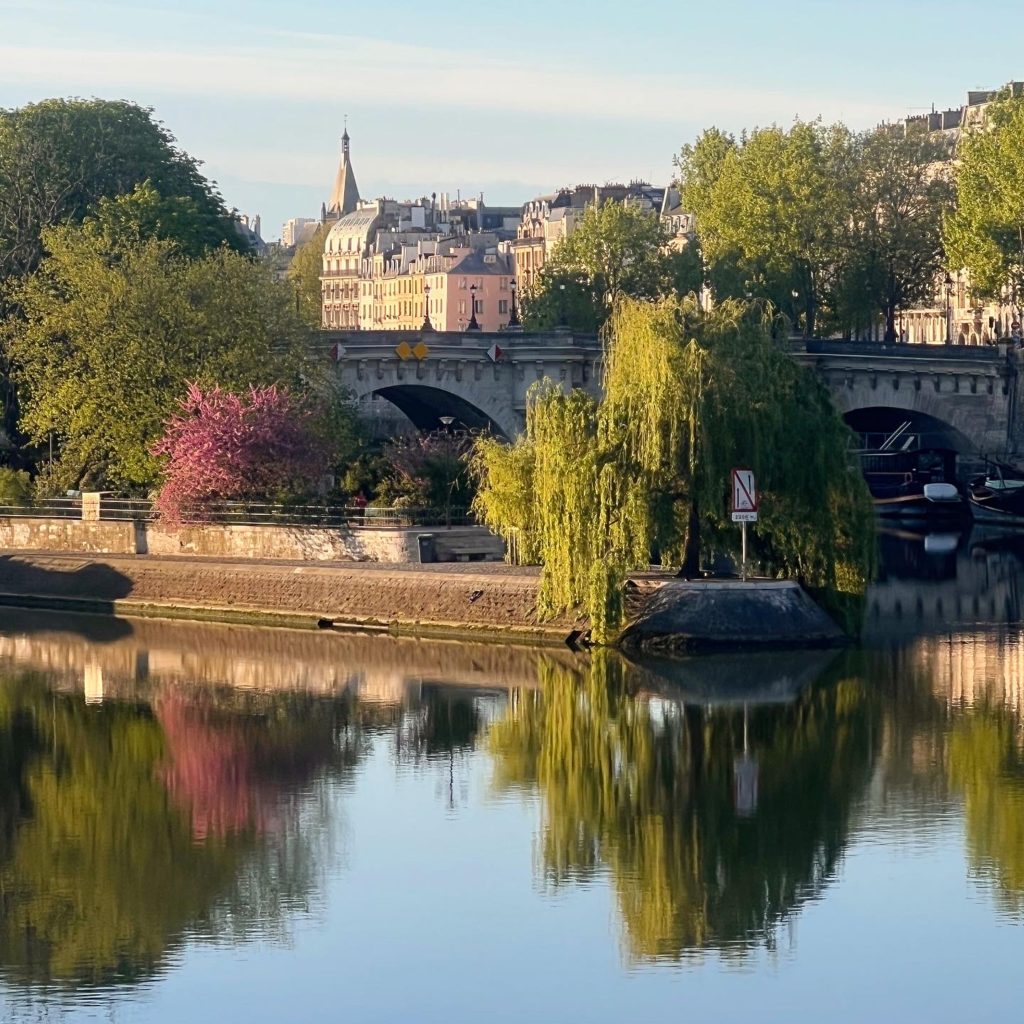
(836, 230)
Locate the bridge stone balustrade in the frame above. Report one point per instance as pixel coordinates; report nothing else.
(968, 393)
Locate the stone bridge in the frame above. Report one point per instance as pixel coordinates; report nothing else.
(956, 396)
(479, 379)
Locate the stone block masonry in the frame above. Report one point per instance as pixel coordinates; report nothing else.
(216, 540)
(484, 601)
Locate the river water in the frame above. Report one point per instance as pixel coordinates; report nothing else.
(203, 823)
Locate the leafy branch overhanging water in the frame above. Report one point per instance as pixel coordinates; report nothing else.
(593, 488)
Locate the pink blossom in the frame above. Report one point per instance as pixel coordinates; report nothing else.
(224, 446)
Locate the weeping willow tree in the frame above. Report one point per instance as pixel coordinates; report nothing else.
(593, 489)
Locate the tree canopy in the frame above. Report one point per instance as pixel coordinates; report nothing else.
(985, 234)
(304, 273)
(222, 446)
(593, 489)
(108, 340)
(60, 157)
(833, 228)
(616, 250)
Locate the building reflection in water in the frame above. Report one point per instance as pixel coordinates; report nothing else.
(160, 783)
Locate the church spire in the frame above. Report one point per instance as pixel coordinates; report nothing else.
(345, 194)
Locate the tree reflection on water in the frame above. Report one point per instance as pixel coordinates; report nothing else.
(986, 764)
(122, 829)
(716, 796)
(647, 791)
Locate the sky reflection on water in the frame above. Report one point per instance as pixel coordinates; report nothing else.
(220, 823)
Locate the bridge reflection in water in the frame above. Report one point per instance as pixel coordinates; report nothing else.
(164, 785)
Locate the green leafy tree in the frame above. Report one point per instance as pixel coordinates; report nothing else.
(304, 273)
(428, 470)
(649, 798)
(772, 208)
(59, 157)
(592, 489)
(107, 344)
(15, 487)
(617, 250)
(894, 239)
(126, 221)
(986, 232)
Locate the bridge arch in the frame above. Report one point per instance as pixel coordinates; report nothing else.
(424, 406)
(875, 423)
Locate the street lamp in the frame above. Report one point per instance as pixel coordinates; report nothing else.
(513, 320)
(446, 422)
(562, 325)
(427, 325)
(948, 282)
(474, 324)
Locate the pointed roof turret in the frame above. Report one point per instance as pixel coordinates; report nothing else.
(345, 194)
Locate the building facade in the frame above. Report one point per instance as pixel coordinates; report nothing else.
(550, 219)
(957, 314)
(387, 264)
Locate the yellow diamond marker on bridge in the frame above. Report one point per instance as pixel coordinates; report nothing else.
(421, 350)
(403, 350)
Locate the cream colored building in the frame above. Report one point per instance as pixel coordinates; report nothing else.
(381, 256)
(957, 314)
(451, 285)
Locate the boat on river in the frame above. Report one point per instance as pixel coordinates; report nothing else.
(913, 484)
(997, 495)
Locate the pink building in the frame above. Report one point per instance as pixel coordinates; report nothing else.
(448, 286)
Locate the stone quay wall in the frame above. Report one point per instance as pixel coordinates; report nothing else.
(217, 540)
(486, 601)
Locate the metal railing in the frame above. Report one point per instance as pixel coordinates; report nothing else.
(252, 513)
(46, 508)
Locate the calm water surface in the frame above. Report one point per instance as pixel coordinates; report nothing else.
(204, 823)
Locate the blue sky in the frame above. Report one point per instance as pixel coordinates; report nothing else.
(511, 99)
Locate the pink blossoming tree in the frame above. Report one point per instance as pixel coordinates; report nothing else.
(223, 446)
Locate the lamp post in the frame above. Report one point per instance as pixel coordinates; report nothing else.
(562, 325)
(513, 320)
(948, 283)
(474, 324)
(446, 422)
(427, 325)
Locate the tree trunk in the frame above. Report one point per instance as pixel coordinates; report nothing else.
(691, 556)
(811, 311)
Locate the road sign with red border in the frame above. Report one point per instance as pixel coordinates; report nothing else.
(744, 496)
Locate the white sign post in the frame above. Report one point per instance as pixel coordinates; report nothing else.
(744, 507)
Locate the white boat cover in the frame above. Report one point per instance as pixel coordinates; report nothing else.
(941, 492)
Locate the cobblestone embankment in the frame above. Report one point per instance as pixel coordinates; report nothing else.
(485, 601)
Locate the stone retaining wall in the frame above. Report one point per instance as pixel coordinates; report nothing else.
(19, 533)
(491, 601)
(217, 540)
